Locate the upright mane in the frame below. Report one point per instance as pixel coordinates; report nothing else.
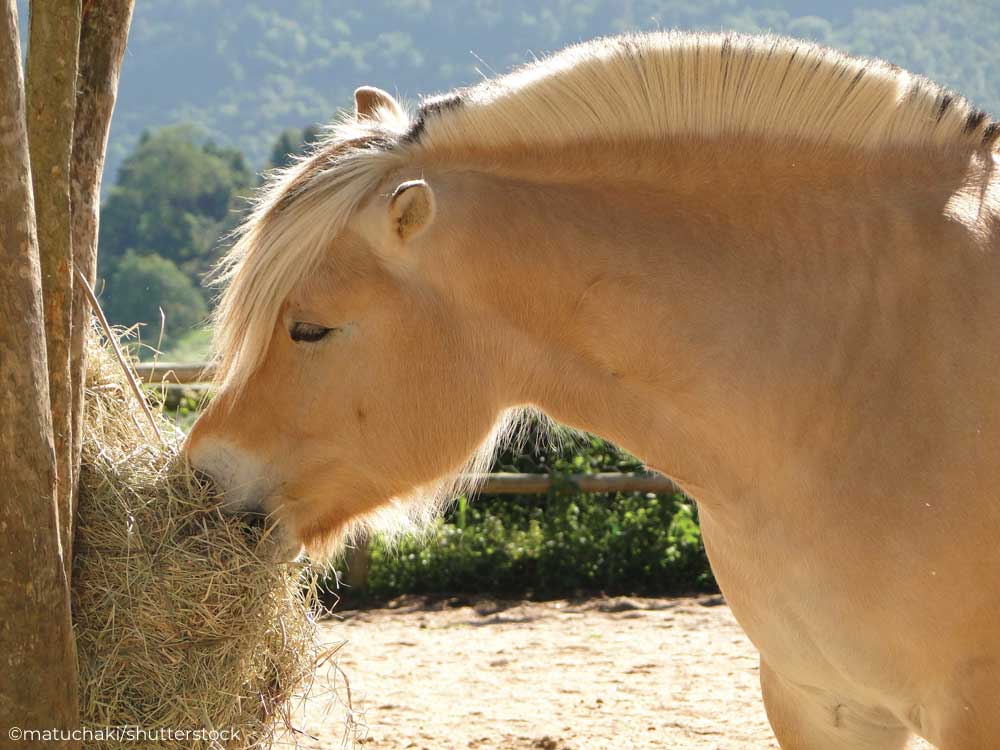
(707, 85)
(619, 89)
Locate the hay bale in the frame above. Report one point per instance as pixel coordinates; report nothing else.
(181, 621)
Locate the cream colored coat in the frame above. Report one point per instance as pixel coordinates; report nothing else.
(774, 277)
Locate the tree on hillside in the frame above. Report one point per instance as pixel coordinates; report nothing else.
(146, 284)
(52, 151)
(165, 220)
(291, 143)
(174, 196)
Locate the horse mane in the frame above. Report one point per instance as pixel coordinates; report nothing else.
(627, 88)
(651, 86)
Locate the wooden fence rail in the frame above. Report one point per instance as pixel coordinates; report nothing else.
(541, 484)
(171, 373)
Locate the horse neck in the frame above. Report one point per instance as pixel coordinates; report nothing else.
(697, 307)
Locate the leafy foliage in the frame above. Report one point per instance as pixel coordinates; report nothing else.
(173, 196)
(173, 199)
(563, 542)
(623, 543)
(292, 142)
(145, 284)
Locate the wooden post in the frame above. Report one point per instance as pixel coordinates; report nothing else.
(103, 33)
(38, 679)
(52, 149)
(50, 89)
(357, 561)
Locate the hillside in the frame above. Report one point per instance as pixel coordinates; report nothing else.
(243, 70)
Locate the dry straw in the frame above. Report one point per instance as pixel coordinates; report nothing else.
(182, 623)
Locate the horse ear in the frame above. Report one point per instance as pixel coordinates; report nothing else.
(368, 100)
(411, 209)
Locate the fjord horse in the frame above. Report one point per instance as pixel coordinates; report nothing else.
(769, 270)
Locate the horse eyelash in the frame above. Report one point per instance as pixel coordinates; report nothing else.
(309, 332)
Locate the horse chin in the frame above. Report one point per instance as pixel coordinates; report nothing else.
(286, 541)
(279, 544)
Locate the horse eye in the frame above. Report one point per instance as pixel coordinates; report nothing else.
(308, 332)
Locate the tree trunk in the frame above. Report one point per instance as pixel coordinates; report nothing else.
(38, 681)
(51, 96)
(103, 32)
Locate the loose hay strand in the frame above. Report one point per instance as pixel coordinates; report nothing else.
(182, 623)
(98, 311)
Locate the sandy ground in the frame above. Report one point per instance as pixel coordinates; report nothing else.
(601, 674)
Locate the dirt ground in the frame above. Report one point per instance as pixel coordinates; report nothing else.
(600, 674)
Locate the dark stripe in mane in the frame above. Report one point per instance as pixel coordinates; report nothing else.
(975, 119)
(429, 108)
(946, 101)
(991, 135)
(586, 89)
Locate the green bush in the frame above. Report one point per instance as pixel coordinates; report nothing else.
(180, 405)
(555, 545)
